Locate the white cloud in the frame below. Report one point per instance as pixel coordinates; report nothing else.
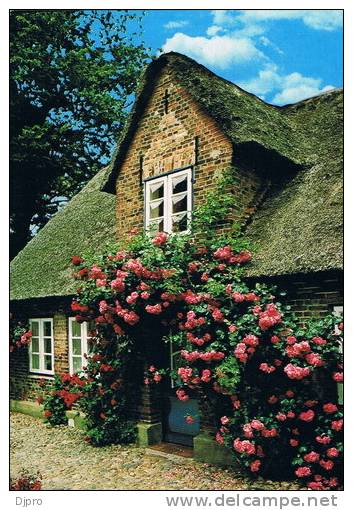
(265, 41)
(223, 17)
(288, 88)
(176, 24)
(214, 29)
(317, 19)
(297, 93)
(218, 51)
(267, 80)
(324, 20)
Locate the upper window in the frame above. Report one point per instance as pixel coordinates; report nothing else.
(41, 348)
(168, 202)
(78, 344)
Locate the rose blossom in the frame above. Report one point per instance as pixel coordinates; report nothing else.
(255, 465)
(318, 340)
(330, 408)
(219, 438)
(307, 415)
(332, 453)
(257, 425)
(160, 239)
(189, 419)
(303, 471)
(272, 400)
(312, 457)
(323, 439)
(327, 464)
(337, 425)
(265, 367)
(154, 309)
(180, 393)
(294, 372)
(244, 446)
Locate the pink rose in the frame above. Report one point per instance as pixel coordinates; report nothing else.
(307, 415)
(303, 471)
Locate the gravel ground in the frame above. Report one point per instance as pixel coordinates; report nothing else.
(67, 462)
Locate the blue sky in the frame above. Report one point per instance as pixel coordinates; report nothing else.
(282, 56)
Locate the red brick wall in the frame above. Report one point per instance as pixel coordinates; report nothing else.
(312, 296)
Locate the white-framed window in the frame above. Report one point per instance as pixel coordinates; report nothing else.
(168, 202)
(41, 347)
(78, 344)
(338, 311)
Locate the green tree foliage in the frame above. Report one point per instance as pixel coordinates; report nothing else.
(72, 78)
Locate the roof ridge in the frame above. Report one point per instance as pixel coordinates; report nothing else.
(310, 99)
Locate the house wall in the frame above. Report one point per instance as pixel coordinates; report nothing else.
(167, 141)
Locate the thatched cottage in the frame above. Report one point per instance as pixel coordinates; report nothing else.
(186, 126)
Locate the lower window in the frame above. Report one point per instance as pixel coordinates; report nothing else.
(41, 348)
(78, 344)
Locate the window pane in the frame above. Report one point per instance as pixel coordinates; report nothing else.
(91, 329)
(180, 223)
(48, 363)
(77, 364)
(179, 184)
(76, 329)
(47, 328)
(156, 226)
(76, 346)
(47, 345)
(35, 344)
(180, 203)
(157, 209)
(35, 361)
(35, 328)
(156, 190)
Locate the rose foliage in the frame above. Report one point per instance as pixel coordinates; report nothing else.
(270, 382)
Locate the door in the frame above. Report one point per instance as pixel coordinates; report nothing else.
(177, 429)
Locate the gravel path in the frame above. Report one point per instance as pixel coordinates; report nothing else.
(67, 462)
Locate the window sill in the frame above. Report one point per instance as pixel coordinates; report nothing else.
(36, 375)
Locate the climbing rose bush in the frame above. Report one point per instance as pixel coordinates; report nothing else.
(20, 334)
(271, 383)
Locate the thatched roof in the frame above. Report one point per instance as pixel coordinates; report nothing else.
(299, 227)
(296, 229)
(86, 223)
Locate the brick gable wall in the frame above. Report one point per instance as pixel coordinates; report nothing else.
(183, 136)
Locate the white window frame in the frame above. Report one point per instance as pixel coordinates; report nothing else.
(42, 353)
(338, 311)
(167, 180)
(84, 344)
